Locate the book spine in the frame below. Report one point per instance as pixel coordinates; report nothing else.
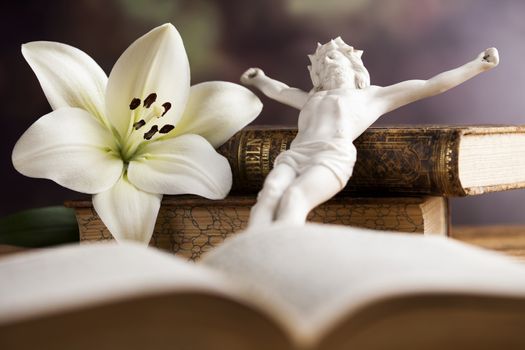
(389, 161)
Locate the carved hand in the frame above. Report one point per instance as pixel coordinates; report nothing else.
(249, 77)
(489, 58)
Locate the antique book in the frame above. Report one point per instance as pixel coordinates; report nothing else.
(434, 160)
(508, 239)
(190, 225)
(311, 287)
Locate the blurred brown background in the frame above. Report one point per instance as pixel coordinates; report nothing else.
(402, 39)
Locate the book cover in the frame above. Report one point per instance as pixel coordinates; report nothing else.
(434, 160)
(191, 226)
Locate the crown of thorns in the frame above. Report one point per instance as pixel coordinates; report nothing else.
(334, 44)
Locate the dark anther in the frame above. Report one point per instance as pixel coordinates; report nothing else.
(167, 107)
(134, 103)
(148, 101)
(166, 129)
(151, 132)
(139, 124)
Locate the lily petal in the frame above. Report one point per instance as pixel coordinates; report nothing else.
(154, 63)
(216, 110)
(68, 76)
(71, 148)
(183, 165)
(127, 212)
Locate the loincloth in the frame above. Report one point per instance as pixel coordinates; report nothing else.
(338, 155)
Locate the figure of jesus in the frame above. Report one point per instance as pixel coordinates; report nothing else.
(339, 108)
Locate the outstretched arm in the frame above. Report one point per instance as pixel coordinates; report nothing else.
(274, 89)
(391, 97)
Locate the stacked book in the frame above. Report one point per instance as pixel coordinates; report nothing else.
(402, 180)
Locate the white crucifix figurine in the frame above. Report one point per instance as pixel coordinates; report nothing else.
(339, 108)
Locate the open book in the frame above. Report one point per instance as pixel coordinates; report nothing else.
(313, 287)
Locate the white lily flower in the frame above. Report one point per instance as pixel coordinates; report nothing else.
(134, 136)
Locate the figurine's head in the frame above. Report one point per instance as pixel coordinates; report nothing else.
(335, 62)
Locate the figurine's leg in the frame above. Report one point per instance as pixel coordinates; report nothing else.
(262, 213)
(313, 187)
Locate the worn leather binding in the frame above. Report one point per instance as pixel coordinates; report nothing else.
(401, 160)
(190, 226)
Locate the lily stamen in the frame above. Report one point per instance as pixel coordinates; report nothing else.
(149, 109)
(148, 101)
(134, 103)
(139, 124)
(145, 112)
(166, 129)
(167, 107)
(151, 132)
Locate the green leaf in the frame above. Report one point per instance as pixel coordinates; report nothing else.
(39, 227)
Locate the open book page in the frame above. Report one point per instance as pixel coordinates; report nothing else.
(53, 280)
(307, 279)
(323, 273)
